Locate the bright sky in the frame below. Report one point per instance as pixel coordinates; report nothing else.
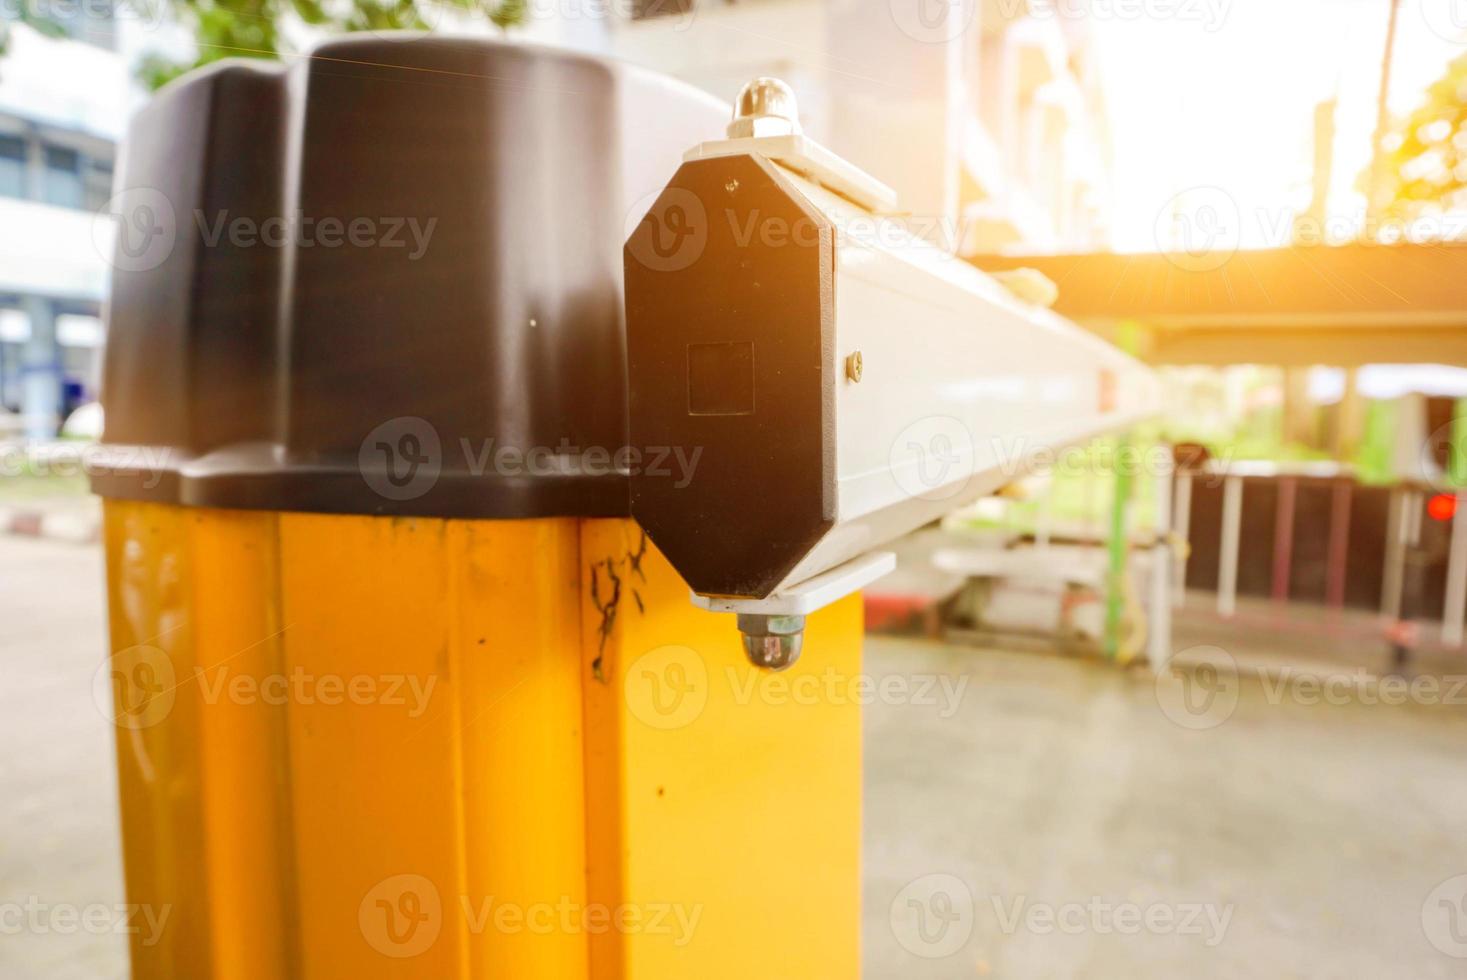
(1222, 94)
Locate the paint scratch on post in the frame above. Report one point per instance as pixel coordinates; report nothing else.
(636, 558)
(608, 606)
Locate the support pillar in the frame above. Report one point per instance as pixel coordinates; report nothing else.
(40, 371)
(1393, 575)
(1232, 528)
(1456, 601)
(1159, 636)
(1182, 531)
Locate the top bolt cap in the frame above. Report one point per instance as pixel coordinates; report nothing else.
(765, 107)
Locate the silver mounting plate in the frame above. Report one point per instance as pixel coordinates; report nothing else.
(813, 593)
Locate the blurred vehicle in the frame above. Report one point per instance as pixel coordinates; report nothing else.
(84, 423)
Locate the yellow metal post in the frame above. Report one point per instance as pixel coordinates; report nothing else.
(381, 747)
(457, 787)
(159, 768)
(241, 748)
(724, 800)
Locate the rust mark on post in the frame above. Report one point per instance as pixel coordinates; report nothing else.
(609, 606)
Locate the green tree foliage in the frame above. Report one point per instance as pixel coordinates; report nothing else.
(252, 28)
(510, 13)
(1424, 165)
(25, 15)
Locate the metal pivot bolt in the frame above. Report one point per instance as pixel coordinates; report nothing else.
(773, 627)
(765, 107)
(772, 642)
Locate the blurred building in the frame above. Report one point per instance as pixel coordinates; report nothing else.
(1037, 149)
(985, 115)
(65, 91)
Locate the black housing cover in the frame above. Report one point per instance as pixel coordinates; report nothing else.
(307, 367)
(731, 340)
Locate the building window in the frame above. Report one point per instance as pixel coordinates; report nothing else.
(12, 166)
(79, 330)
(63, 178)
(15, 326)
(99, 184)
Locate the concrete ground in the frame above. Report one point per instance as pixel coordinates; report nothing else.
(1315, 825)
(1047, 818)
(59, 853)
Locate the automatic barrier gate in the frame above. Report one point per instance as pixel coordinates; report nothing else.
(413, 466)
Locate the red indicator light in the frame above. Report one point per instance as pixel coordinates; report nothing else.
(1442, 507)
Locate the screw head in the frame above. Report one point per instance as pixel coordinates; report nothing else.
(854, 367)
(765, 107)
(774, 653)
(772, 642)
(765, 96)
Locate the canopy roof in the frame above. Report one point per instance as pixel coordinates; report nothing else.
(1346, 305)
